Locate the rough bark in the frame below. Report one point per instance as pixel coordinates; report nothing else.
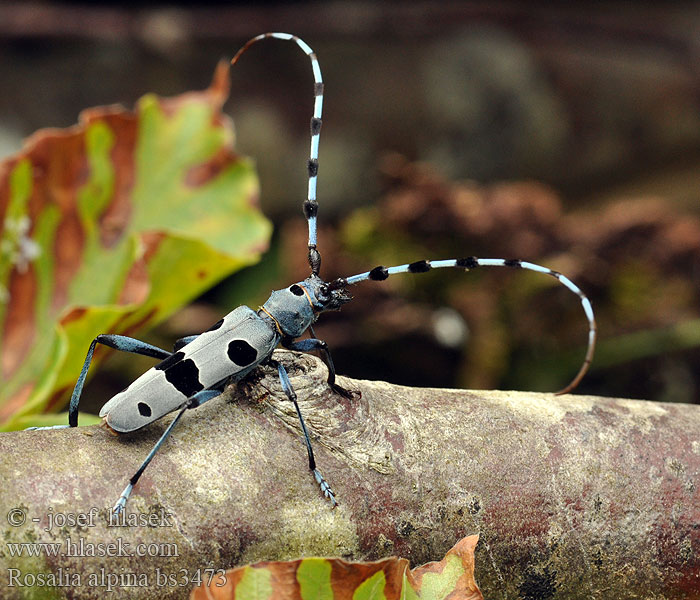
(573, 497)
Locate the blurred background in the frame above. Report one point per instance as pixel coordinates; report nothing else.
(566, 136)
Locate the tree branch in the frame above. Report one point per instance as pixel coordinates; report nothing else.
(573, 496)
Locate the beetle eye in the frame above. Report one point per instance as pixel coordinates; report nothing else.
(324, 290)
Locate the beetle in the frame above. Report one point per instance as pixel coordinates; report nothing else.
(201, 365)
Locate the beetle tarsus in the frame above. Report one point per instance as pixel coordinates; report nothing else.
(326, 489)
(121, 503)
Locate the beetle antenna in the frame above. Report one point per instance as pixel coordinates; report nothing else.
(310, 204)
(381, 273)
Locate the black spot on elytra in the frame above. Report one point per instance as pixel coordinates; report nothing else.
(420, 266)
(379, 273)
(144, 409)
(216, 325)
(470, 262)
(242, 353)
(184, 376)
(312, 165)
(170, 361)
(315, 125)
(512, 262)
(296, 290)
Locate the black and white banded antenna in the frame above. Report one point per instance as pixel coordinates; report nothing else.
(422, 266)
(381, 273)
(310, 204)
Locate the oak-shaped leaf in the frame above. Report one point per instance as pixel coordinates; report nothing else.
(110, 226)
(335, 579)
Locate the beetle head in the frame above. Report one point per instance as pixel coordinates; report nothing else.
(327, 295)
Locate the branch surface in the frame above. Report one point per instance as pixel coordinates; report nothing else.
(572, 496)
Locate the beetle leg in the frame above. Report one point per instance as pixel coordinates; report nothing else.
(291, 395)
(184, 341)
(313, 343)
(197, 400)
(118, 342)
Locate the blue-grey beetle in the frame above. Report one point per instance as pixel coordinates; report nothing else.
(199, 367)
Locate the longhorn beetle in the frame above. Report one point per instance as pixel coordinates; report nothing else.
(200, 365)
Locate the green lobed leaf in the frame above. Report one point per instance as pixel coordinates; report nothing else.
(314, 577)
(255, 584)
(111, 226)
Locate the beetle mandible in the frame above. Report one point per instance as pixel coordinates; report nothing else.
(201, 365)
